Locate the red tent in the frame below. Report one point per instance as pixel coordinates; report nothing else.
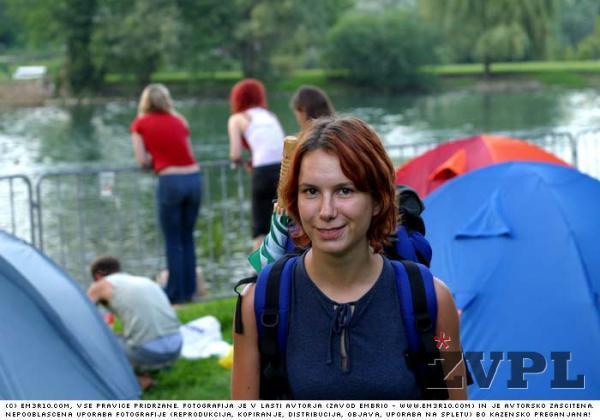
(430, 170)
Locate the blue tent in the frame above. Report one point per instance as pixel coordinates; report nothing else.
(55, 345)
(518, 244)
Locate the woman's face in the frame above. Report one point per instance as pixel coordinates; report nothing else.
(300, 117)
(333, 213)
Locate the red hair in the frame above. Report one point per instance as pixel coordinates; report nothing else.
(363, 160)
(246, 94)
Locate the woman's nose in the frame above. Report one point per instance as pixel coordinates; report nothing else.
(328, 209)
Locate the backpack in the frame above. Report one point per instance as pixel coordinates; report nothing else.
(409, 243)
(271, 306)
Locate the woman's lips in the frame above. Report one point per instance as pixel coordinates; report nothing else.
(330, 233)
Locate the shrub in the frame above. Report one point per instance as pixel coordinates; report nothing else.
(382, 50)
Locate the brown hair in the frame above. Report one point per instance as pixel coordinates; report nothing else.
(363, 160)
(312, 101)
(105, 266)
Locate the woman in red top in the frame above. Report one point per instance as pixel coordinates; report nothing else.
(160, 138)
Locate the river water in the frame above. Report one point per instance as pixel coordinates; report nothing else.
(46, 137)
(114, 212)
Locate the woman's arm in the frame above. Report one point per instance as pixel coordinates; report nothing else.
(141, 154)
(235, 128)
(447, 326)
(245, 376)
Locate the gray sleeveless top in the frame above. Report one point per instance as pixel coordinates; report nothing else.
(347, 351)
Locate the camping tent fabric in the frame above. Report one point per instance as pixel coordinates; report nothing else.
(517, 244)
(432, 169)
(55, 345)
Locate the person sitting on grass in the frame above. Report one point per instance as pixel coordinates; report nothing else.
(151, 337)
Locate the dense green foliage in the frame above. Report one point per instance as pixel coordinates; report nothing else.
(376, 43)
(576, 22)
(589, 47)
(263, 38)
(491, 31)
(381, 50)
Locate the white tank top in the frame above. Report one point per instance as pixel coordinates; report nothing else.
(264, 136)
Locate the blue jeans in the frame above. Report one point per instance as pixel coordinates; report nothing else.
(155, 354)
(178, 201)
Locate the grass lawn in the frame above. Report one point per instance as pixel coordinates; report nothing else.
(222, 81)
(202, 379)
(572, 74)
(517, 67)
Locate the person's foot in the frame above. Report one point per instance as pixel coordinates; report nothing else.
(145, 380)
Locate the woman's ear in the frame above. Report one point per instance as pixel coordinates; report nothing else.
(376, 209)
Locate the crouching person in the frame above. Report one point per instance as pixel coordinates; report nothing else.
(151, 336)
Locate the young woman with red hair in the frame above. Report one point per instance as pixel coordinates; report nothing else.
(254, 127)
(346, 337)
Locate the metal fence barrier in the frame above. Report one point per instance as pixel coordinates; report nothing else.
(588, 155)
(74, 216)
(17, 207)
(91, 212)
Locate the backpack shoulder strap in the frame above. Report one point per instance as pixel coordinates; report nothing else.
(271, 307)
(418, 304)
(271, 303)
(239, 325)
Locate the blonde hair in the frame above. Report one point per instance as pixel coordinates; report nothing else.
(155, 98)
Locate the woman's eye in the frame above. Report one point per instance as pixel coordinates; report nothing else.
(345, 191)
(309, 191)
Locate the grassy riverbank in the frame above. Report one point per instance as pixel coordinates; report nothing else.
(219, 83)
(534, 75)
(574, 74)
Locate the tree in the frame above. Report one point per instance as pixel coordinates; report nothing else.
(266, 29)
(384, 50)
(496, 30)
(135, 37)
(589, 47)
(261, 27)
(304, 47)
(67, 22)
(200, 46)
(9, 28)
(577, 20)
(77, 22)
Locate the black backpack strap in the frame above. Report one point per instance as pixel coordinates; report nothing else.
(239, 324)
(269, 319)
(425, 363)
